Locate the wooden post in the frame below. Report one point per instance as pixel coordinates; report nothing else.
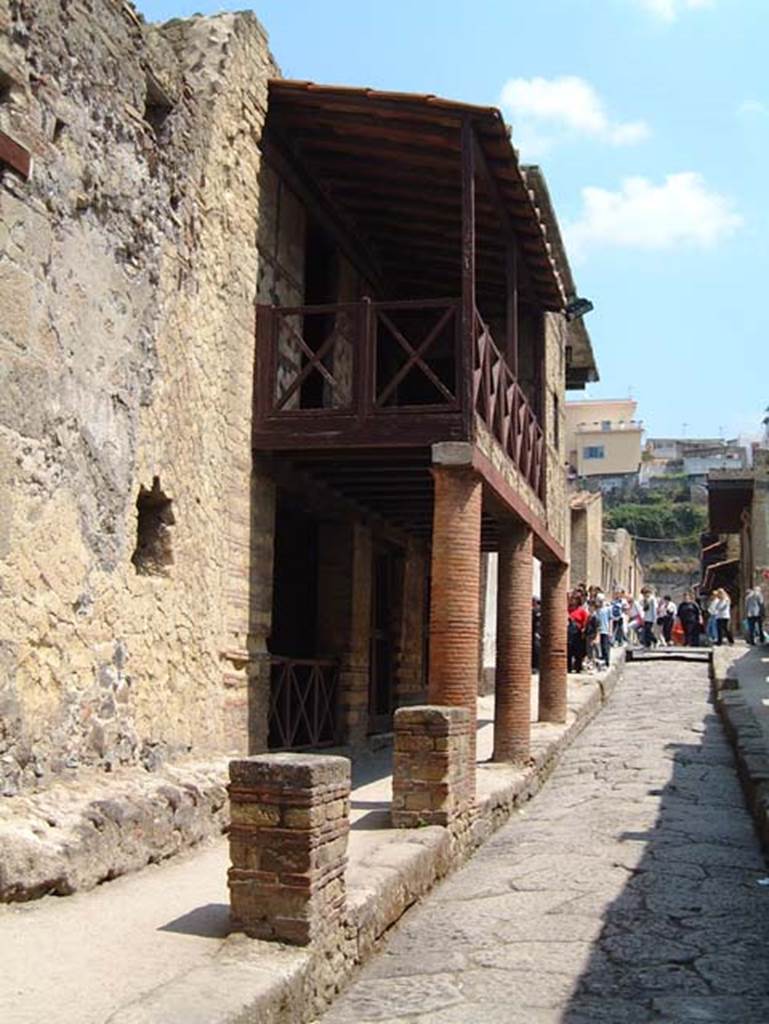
(511, 278)
(468, 273)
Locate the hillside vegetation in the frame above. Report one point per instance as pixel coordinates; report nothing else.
(657, 514)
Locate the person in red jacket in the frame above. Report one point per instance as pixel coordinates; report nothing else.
(578, 619)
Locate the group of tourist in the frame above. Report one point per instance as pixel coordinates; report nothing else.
(596, 622)
(591, 629)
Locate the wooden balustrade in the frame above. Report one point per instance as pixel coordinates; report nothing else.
(387, 373)
(302, 703)
(500, 403)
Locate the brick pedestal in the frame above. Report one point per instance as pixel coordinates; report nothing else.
(552, 656)
(288, 845)
(432, 776)
(512, 690)
(454, 605)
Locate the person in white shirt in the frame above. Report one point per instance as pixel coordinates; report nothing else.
(723, 612)
(754, 612)
(712, 629)
(649, 606)
(666, 616)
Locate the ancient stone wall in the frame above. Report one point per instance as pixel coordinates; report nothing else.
(760, 523)
(554, 425)
(128, 275)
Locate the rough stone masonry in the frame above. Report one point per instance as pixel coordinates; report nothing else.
(129, 625)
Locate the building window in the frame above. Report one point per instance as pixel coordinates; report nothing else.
(605, 424)
(593, 452)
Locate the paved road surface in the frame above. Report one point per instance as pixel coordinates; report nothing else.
(627, 892)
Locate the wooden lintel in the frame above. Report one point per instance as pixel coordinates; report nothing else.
(15, 156)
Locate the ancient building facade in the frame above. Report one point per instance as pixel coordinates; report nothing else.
(586, 536)
(256, 427)
(128, 274)
(736, 552)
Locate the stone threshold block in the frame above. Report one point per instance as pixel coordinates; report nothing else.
(432, 769)
(290, 819)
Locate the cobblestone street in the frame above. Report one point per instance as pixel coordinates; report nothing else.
(626, 892)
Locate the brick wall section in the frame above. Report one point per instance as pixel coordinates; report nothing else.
(432, 776)
(344, 619)
(410, 670)
(512, 706)
(454, 605)
(552, 659)
(288, 845)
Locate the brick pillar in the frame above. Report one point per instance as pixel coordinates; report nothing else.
(454, 605)
(552, 657)
(512, 700)
(290, 816)
(432, 777)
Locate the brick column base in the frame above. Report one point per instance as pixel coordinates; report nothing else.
(552, 656)
(432, 781)
(290, 817)
(512, 691)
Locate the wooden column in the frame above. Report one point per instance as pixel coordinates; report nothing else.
(511, 310)
(512, 703)
(455, 578)
(552, 656)
(467, 341)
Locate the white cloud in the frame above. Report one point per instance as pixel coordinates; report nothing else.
(668, 10)
(641, 215)
(749, 108)
(543, 110)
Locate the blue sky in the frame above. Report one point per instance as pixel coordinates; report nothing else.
(650, 119)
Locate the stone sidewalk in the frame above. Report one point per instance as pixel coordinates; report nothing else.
(741, 684)
(630, 891)
(154, 946)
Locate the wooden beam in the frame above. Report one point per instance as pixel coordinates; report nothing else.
(289, 166)
(511, 308)
(466, 352)
(509, 229)
(15, 156)
(409, 156)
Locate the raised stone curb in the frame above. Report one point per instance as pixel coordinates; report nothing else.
(284, 985)
(751, 754)
(78, 833)
(722, 672)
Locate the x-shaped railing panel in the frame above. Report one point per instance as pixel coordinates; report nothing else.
(415, 355)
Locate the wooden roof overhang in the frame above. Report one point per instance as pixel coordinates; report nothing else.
(389, 167)
(581, 367)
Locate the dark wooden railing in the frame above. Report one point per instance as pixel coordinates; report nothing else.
(302, 703)
(363, 357)
(387, 373)
(501, 404)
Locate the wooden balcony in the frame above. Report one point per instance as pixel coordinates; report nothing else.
(388, 375)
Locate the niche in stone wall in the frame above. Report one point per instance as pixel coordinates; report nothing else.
(157, 107)
(6, 87)
(155, 517)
